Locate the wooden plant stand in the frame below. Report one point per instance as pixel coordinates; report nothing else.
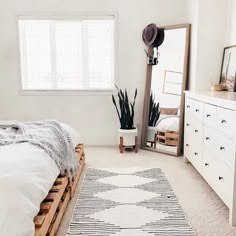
(54, 205)
(169, 138)
(122, 147)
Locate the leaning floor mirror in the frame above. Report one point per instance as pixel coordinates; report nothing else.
(162, 128)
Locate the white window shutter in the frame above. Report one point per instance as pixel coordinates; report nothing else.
(67, 54)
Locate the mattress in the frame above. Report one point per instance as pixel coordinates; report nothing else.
(26, 175)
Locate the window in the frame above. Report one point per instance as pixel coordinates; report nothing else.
(71, 54)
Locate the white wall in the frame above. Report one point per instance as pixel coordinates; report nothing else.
(93, 116)
(230, 38)
(208, 18)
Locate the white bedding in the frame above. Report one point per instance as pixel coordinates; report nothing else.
(170, 124)
(26, 175)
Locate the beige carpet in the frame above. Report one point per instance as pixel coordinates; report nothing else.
(205, 211)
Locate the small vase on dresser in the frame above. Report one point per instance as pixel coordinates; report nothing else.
(210, 141)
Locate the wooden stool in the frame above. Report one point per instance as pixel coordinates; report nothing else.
(121, 146)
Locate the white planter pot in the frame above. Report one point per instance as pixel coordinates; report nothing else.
(151, 131)
(128, 136)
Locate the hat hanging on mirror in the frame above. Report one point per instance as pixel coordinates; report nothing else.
(159, 39)
(149, 34)
(153, 36)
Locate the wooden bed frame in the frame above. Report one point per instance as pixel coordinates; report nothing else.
(54, 205)
(168, 138)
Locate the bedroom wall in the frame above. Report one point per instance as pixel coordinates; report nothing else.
(230, 38)
(93, 116)
(208, 18)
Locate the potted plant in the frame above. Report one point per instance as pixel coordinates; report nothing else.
(127, 133)
(154, 114)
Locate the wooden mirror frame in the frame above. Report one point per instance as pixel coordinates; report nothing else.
(148, 90)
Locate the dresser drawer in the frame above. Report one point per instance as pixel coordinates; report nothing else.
(220, 177)
(194, 109)
(217, 146)
(210, 115)
(197, 132)
(225, 149)
(193, 134)
(207, 169)
(187, 138)
(198, 110)
(196, 145)
(223, 179)
(189, 105)
(226, 120)
(209, 143)
(196, 156)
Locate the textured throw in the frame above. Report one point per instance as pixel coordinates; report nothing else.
(48, 135)
(128, 202)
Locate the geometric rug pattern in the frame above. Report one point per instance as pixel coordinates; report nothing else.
(128, 202)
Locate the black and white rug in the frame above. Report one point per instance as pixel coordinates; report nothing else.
(128, 202)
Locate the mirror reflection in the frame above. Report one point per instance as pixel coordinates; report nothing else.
(165, 108)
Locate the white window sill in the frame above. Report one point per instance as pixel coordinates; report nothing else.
(107, 92)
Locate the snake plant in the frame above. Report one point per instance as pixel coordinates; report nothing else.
(154, 111)
(126, 109)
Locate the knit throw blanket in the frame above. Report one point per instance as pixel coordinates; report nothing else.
(48, 135)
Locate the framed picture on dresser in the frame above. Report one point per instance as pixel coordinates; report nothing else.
(228, 69)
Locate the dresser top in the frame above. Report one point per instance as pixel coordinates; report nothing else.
(222, 96)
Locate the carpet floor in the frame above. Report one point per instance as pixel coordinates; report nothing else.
(206, 212)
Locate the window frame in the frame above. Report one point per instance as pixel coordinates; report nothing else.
(66, 17)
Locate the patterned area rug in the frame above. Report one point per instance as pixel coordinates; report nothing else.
(128, 202)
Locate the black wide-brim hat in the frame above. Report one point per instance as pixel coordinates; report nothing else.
(150, 34)
(153, 36)
(159, 38)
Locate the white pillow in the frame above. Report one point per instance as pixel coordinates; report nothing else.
(170, 124)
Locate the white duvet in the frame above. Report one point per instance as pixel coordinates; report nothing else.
(171, 124)
(26, 175)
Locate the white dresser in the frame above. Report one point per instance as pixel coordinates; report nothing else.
(210, 141)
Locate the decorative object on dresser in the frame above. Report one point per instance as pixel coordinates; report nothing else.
(167, 82)
(210, 142)
(228, 69)
(216, 87)
(128, 134)
(128, 201)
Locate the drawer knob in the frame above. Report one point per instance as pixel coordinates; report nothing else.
(208, 115)
(188, 106)
(187, 124)
(187, 145)
(222, 148)
(197, 110)
(207, 138)
(220, 178)
(195, 153)
(223, 121)
(196, 131)
(206, 164)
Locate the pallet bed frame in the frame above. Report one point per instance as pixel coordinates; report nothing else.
(168, 138)
(54, 205)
